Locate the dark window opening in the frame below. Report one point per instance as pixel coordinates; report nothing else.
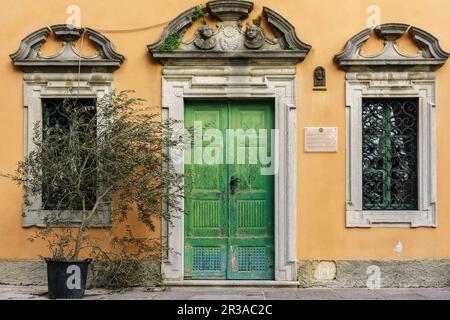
(389, 159)
(69, 124)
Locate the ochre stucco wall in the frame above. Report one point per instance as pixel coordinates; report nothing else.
(326, 25)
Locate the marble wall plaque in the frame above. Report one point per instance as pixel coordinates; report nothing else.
(321, 139)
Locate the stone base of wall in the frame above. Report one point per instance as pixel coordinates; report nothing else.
(374, 274)
(34, 272)
(331, 274)
(25, 273)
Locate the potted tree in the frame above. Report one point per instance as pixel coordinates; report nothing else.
(95, 159)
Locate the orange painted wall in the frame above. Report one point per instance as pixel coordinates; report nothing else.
(326, 25)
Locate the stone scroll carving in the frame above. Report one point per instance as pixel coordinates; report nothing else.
(431, 56)
(29, 54)
(229, 38)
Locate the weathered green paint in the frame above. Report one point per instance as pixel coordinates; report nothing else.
(229, 235)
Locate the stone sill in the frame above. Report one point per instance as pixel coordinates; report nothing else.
(231, 283)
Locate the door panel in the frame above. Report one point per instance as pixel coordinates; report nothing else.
(206, 215)
(251, 206)
(229, 233)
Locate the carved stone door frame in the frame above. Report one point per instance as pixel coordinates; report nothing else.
(261, 69)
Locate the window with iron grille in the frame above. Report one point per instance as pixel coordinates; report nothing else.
(389, 159)
(61, 118)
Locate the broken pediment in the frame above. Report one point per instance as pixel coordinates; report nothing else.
(29, 54)
(430, 56)
(230, 39)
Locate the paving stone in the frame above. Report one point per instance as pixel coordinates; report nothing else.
(234, 297)
(227, 294)
(234, 294)
(402, 294)
(281, 294)
(359, 294)
(317, 294)
(438, 295)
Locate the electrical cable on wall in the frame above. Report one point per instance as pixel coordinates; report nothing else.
(112, 31)
(133, 29)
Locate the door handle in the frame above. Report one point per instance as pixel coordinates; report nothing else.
(233, 184)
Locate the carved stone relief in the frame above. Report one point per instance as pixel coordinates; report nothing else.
(320, 78)
(205, 38)
(229, 38)
(254, 37)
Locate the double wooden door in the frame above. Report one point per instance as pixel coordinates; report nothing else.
(229, 200)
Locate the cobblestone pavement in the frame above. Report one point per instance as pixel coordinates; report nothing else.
(221, 293)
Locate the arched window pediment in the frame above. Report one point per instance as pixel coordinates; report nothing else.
(29, 56)
(430, 57)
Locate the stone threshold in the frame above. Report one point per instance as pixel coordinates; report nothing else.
(231, 283)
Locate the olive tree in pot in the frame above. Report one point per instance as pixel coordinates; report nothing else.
(95, 159)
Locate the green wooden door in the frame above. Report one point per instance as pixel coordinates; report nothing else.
(229, 226)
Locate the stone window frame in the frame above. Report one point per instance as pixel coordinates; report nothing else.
(392, 74)
(67, 74)
(266, 72)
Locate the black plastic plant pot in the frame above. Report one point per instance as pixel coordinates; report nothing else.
(67, 279)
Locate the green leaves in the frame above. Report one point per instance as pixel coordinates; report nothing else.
(200, 12)
(86, 155)
(171, 43)
(257, 21)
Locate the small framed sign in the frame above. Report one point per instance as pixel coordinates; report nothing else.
(321, 139)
